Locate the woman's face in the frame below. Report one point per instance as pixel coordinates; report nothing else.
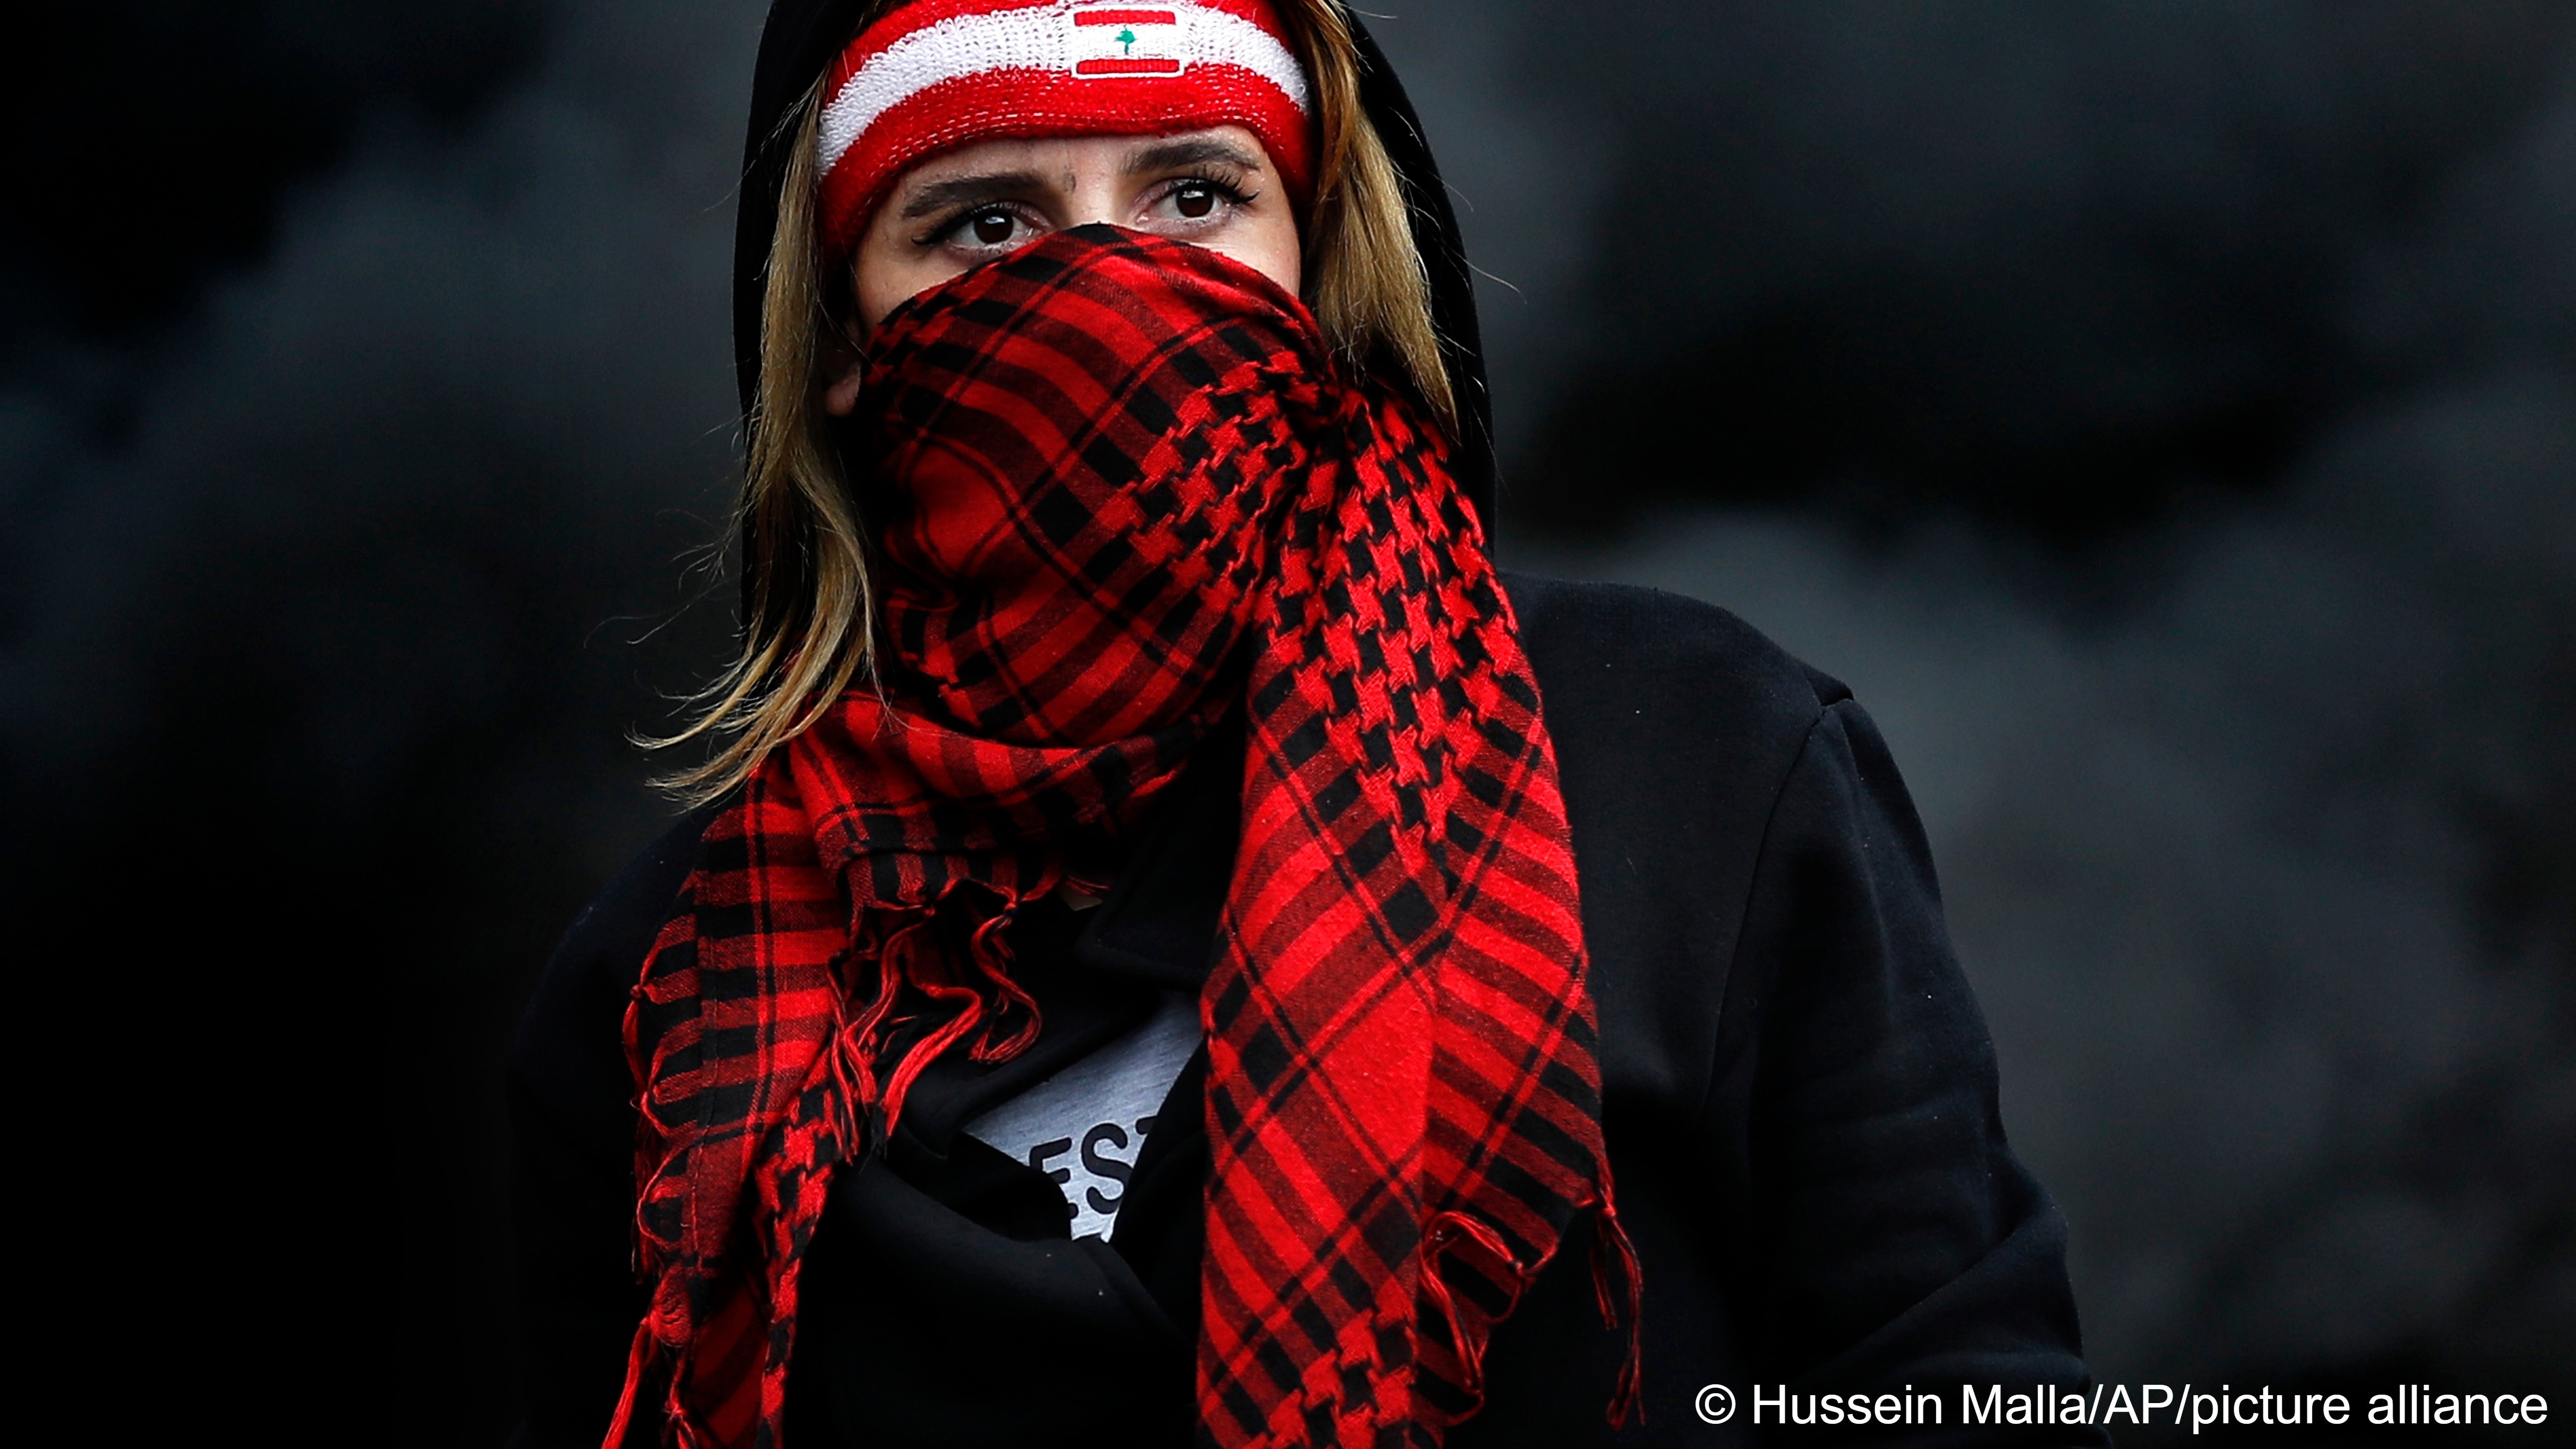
(965, 207)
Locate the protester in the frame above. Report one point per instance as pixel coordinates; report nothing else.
(1170, 946)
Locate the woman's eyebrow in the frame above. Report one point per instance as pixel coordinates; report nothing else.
(983, 186)
(1191, 151)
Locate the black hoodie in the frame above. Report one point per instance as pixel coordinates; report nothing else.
(1799, 1092)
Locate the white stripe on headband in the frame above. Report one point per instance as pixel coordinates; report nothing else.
(1093, 41)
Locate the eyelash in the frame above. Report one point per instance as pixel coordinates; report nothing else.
(940, 234)
(1227, 191)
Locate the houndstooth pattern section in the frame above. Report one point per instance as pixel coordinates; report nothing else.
(1125, 489)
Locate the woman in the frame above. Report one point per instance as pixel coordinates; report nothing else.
(1172, 945)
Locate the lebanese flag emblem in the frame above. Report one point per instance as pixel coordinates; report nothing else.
(1106, 41)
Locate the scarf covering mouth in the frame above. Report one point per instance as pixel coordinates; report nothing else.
(1122, 489)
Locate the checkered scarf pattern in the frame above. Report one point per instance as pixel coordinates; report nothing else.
(1126, 489)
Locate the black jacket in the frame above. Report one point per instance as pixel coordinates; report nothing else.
(1799, 1104)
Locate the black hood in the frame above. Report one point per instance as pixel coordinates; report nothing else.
(804, 37)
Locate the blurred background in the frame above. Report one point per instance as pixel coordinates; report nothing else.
(2163, 415)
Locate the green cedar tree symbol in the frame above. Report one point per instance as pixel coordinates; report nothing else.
(1127, 38)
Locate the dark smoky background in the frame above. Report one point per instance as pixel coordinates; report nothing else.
(2163, 415)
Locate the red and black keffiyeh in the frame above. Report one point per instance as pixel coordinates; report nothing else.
(1125, 489)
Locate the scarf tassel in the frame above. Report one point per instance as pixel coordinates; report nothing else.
(992, 953)
(1612, 1253)
(681, 1431)
(638, 1356)
(1617, 1287)
(1443, 1236)
(911, 956)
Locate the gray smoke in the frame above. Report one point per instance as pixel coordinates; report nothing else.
(2084, 215)
(2254, 821)
(461, 424)
(323, 643)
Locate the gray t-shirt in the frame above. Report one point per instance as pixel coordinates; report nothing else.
(1084, 1126)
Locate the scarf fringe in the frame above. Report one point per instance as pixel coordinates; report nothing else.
(1611, 1251)
(681, 1429)
(1617, 1287)
(992, 954)
(639, 1356)
(1441, 1236)
(911, 956)
(926, 968)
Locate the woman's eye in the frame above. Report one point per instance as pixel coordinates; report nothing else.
(1195, 199)
(986, 229)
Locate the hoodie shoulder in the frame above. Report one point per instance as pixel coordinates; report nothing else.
(1677, 726)
(1615, 658)
(569, 1056)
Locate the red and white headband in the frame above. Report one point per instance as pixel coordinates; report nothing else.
(939, 73)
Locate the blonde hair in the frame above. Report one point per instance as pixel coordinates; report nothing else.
(807, 636)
